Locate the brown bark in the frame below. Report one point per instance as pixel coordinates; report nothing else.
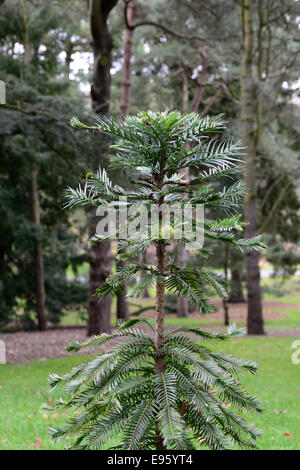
(38, 256)
(157, 25)
(236, 288)
(200, 81)
(159, 324)
(127, 53)
(102, 47)
(122, 304)
(146, 294)
(255, 322)
(225, 299)
(226, 312)
(160, 305)
(182, 302)
(100, 254)
(99, 311)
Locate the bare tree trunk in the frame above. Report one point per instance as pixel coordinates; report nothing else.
(100, 255)
(127, 53)
(122, 304)
(225, 299)
(146, 294)
(182, 302)
(100, 267)
(255, 323)
(38, 256)
(236, 288)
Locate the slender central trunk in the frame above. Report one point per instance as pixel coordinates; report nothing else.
(160, 304)
(159, 324)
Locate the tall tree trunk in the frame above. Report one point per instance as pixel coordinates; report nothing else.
(122, 304)
(255, 323)
(182, 302)
(225, 299)
(146, 293)
(38, 256)
(127, 53)
(100, 254)
(236, 288)
(100, 267)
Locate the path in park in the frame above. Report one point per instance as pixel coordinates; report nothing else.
(27, 346)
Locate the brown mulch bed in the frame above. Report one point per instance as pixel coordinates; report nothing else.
(27, 346)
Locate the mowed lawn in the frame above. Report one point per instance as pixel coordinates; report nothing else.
(23, 388)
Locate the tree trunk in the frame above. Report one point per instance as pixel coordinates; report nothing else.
(146, 294)
(226, 312)
(100, 254)
(102, 47)
(236, 288)
(100, 267)
(255, 322)
(127, 53)
(225, 299)
(38, 256)
(159, 323)
(182, 302)
(122, 304)
(160, 305)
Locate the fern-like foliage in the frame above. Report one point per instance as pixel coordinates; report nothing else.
(193, 402)
(158, 389)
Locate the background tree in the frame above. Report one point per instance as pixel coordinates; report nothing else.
(37, 240)
(100, 254)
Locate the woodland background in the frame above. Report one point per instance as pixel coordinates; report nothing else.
(64, 58)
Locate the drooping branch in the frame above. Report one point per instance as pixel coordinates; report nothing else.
(165, 29)
(32, 112)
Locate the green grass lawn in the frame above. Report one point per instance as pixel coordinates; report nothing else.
(23, 388)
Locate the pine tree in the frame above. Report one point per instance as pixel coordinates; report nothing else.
(160, 389)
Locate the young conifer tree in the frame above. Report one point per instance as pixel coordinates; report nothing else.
(157, 388)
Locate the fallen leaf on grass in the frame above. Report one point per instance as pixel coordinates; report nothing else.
(45, 416)
(288, 434)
